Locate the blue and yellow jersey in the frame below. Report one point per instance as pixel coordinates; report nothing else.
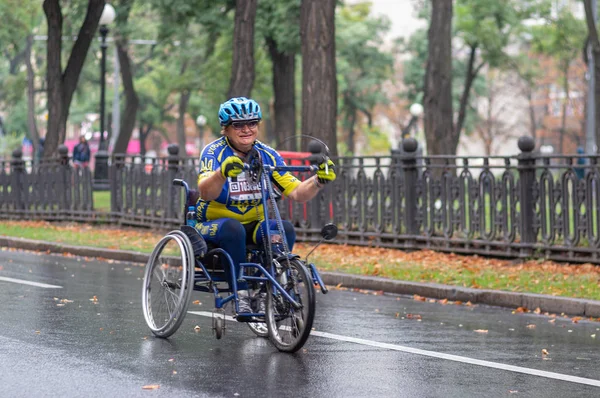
(239, 199)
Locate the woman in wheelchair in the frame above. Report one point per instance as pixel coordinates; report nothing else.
(229, 211)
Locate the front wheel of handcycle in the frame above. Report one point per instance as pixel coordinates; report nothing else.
(168, 283)
(290, 327)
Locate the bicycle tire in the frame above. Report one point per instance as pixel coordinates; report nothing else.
(289, 328)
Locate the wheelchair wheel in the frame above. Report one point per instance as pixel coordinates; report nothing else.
(168, 284)
(289, 327)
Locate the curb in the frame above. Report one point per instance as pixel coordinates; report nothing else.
(546, 303)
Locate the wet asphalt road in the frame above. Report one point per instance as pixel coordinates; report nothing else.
(85, 348)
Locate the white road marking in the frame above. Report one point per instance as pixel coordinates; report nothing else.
(449, 357)
(24, 282)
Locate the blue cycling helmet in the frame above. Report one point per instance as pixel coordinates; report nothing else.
(240, 108)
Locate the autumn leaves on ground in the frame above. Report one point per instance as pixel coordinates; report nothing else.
(534, 276)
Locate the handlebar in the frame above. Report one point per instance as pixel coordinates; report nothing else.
(312, 168)
(284, 168)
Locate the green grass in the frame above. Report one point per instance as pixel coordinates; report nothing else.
(101, 200)
(541, 277)
(84, 235)
(584, 285)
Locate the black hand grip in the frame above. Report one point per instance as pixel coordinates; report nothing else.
(178, 181)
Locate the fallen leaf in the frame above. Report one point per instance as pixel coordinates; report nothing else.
(480, 330)
(196, 302)
(544, 351)
(151, 387)
(196, 328)
(537, 311)
(419, 298)
(531, 326)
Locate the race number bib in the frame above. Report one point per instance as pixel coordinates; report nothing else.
(242, 190)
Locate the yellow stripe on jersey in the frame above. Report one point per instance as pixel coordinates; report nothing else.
(286, 182)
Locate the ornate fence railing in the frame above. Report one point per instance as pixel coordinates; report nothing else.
(527, 205)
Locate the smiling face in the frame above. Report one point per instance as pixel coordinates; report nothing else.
(242, 134)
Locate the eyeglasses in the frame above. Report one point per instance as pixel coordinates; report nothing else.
(240, 125)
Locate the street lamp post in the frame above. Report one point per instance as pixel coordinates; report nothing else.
(416, 110)
(201, 122)
(101, 166)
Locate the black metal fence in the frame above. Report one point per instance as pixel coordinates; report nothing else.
(52, 190)
(528, 205)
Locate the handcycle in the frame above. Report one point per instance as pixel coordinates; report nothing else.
(182, 262)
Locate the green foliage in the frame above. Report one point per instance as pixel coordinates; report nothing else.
(490, 26)
(362, 66)
(378, 143)
(9, 142)
(561, 37)
(414, 77)
(280, 19)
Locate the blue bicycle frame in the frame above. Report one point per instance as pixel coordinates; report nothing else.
(263, 275)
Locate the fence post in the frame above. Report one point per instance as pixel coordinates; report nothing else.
(65, 168)
(411, 176)
(174, 204)
(17, 166)
(527, 179)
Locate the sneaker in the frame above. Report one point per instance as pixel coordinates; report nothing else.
(245, 304)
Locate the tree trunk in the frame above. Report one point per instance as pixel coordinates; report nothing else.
(144, 133)
(595, 42)
(61, 86)
(53, 75)
(31, 125)
(184, 100)
(472, 73)
(351, 132)
(131, 100)
(437, 100)
(284, 107)
(532, 121)
(563, 122)
(242, 70)
(319, 83)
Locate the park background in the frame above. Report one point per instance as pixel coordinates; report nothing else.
(510, 69)
(518, 68)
